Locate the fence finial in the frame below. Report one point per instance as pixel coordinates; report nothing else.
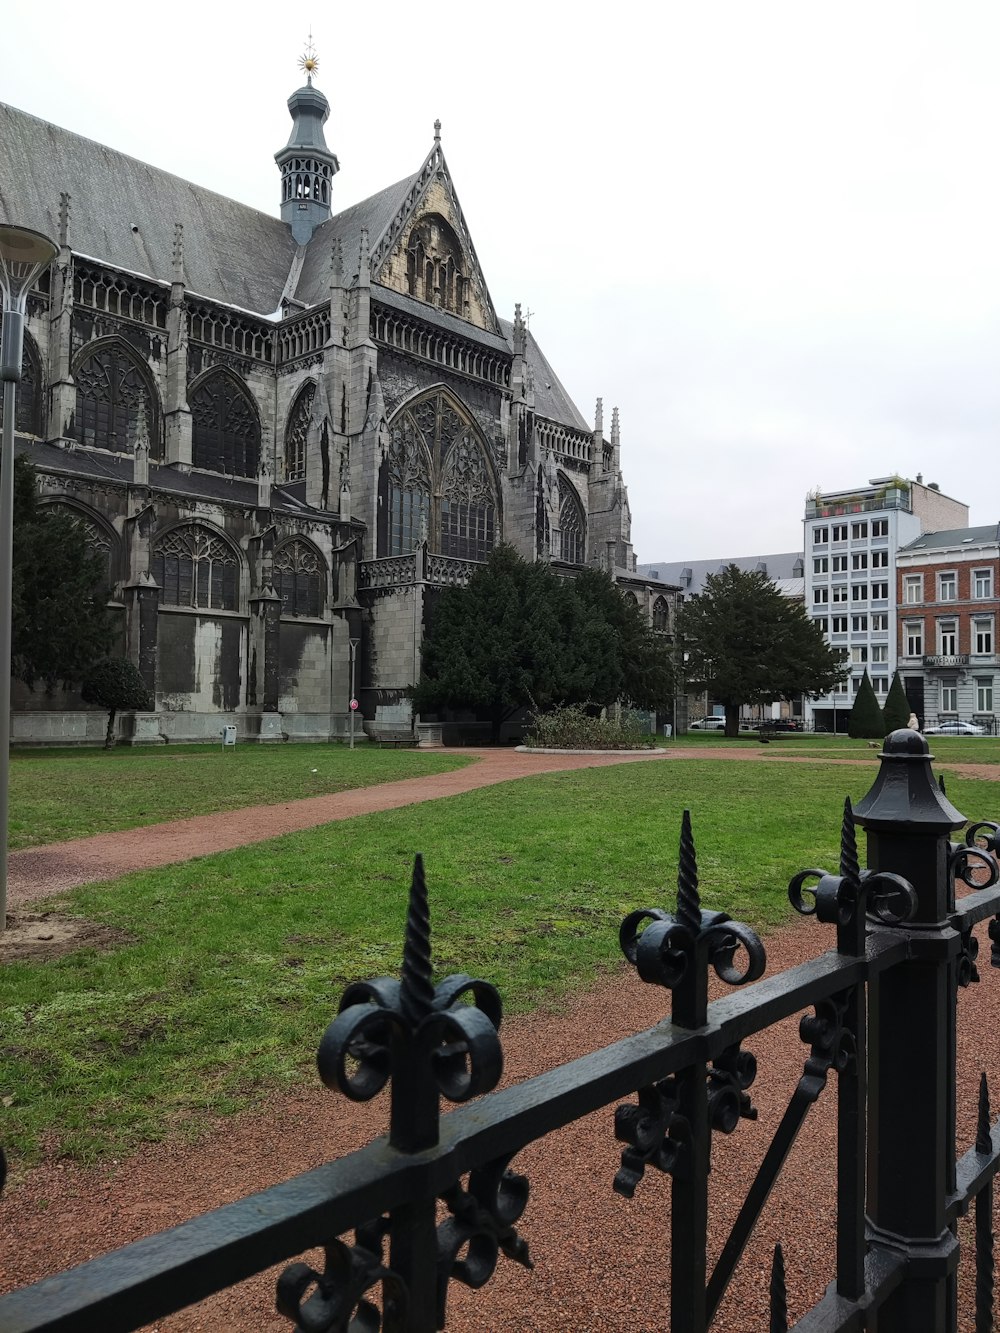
(779, 1294)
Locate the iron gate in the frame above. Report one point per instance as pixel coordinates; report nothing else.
(904, 947)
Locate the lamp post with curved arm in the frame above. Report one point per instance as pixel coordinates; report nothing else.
(24, 254)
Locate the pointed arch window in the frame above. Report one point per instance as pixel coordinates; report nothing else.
(30, 390)
(434, 264)
(661, 614)
(297, 433)
(100, 541)
(195, 567)
(572, 525)
(115, 407)
(225, 430)
(299, 577)
(437, 483)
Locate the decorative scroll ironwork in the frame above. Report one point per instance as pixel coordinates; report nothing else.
(337, 1301)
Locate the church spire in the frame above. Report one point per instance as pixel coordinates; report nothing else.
(307, 166)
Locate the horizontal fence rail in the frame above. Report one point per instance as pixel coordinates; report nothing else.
(904, 948)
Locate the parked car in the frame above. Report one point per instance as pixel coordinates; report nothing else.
(955, 729)
(709, 724)
(781, 724)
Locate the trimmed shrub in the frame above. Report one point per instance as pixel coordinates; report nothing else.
(896, 712)
(572, 728)
(115, 684)
(865, 722)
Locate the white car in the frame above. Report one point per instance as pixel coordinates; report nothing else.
(955, 729)
(709, 724)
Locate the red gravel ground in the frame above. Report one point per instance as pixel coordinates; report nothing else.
(600, 1260)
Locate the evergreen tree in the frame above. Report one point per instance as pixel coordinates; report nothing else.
(628, 662)
(896, 712)
(865, 722)
(115, 684)
(59, 613)
(747, 644)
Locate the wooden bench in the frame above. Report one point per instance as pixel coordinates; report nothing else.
(396, 740)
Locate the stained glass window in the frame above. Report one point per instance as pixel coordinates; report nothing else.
(114, 404)
(572, 525)
(225, 431)
(298, 579)
(194, 567)
(297, 434)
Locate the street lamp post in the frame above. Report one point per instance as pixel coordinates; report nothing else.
(354, 653)
(23, 255)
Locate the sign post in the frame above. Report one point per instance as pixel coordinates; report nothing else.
(354, 703)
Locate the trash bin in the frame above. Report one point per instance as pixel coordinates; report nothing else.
(228, 735)
(667, 729)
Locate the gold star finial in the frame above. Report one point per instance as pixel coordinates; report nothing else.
(309, 61)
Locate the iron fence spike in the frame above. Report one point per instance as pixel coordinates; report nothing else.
(984, 1136)
(779, 1295)
(688, 899)
(416, 992)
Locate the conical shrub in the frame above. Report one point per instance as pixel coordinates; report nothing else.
(865, 722)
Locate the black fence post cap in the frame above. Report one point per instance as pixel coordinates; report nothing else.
(906, 794)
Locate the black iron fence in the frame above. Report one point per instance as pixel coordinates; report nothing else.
(880, 1015)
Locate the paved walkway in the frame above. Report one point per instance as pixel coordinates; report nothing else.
(41, 872)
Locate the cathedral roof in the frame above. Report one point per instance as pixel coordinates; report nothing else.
(123, 213)
(551, 399)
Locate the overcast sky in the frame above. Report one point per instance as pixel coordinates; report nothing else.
(768, 232)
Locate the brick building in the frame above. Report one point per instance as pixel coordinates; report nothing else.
(948, 593)
(284, 433)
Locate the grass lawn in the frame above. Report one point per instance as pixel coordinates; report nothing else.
(60, 794)
(957, 749)
(239, 959)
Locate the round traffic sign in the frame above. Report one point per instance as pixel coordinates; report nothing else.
(354, 703)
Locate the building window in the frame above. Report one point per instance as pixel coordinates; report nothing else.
(435, 484)
(949, 696)
(880, 652)
(298, 579)
(859, 531)
(822, 623)
(859, 624)
(982, 584)
(821, 536)
(913, 588)
(115, 408)
(947, 587)
(194, 567)
(859, 560)
(821, 596)
(840, 564)
(982, 636)
(572, 524)
(30, 390)
(859, 655)
(821, 565)
(859, 592)
(297, 433)
(880, 623)
(434, 268)
(880, 592)
(880, 684)
(913, 637)
(880, 527)
(880, 559)
(840, 532)
(947, 638)
(661, 614)
(840, 592)
(984, 694)
(839, 625)
(225, 431)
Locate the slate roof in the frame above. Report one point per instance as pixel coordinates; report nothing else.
(691, 574)
(123, 211)
(936, 541)
(551, 398)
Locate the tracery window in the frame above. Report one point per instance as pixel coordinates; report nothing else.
(114, 403)
(434, 271)
(298, 579)
(572, 524)
(661, 614)
(225, 431)
(97, 537)
(297, 433)
(195, 567)
(28, 405)
(437, 484)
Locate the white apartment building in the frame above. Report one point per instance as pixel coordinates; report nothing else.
(851, 540)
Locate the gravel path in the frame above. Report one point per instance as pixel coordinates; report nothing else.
(600, 1260)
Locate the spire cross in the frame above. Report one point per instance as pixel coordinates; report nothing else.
(309, 60)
